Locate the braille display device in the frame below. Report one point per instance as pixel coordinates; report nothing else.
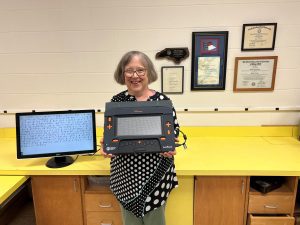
(138, 127)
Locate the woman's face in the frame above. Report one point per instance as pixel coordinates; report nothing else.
(136, 77)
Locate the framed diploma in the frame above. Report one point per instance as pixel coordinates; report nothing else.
(258, 36)
(255, 73)
(209, 58)
(172, 79)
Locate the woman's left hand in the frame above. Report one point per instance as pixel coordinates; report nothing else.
(170, 154)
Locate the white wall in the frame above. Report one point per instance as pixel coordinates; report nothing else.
(61, 54)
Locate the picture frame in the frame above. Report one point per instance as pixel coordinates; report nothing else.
(255, 73)
(172, 79)
(258, 36)
(209, 59)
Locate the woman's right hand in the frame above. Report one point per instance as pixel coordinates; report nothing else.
(102, 152)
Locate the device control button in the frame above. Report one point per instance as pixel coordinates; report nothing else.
(109, 126)
(168, 124)
(163, 138)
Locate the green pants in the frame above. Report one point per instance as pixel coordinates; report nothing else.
(155, 217)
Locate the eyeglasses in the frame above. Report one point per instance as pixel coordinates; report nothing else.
(139, 71)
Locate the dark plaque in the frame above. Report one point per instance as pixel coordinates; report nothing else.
(174, 54)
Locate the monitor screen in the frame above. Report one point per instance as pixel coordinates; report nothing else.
(55, 133)
(139, 125)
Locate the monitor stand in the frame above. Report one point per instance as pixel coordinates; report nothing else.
(59, 161)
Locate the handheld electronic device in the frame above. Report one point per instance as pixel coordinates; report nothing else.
(139, 127)
(56, 133)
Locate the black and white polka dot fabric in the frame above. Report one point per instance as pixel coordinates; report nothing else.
(143, 182)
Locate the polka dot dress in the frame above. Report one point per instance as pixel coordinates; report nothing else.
(143, 182)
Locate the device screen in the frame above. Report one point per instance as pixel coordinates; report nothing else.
(139, 125)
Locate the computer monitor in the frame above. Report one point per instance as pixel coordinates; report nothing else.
(56, 134)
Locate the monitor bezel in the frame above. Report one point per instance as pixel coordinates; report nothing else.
(55, 154)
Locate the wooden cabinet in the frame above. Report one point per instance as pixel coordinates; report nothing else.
(88, 200)
(220, 200)
(57, 200)
(100, 205)
(270, 220)
(275, 207)
(271, 204)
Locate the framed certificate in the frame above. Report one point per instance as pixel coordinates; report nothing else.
(209, 57)
(172, 79)
(255, 73)
(259, 36)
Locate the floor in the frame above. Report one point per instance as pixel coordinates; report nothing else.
(25, 216)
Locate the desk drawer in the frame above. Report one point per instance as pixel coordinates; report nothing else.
(103, 218)
(101, 202)
(270, 204)
(270, 220)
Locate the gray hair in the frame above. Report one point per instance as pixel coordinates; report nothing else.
(119, 73)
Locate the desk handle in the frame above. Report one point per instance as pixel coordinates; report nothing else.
(75, 185)
(105, 206)
(101, 223)
(270, 206)
(243, 186)
(106, 223)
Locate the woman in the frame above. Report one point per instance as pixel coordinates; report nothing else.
(141, 182)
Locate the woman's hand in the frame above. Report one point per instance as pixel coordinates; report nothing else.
(102, 152)
(170, 154)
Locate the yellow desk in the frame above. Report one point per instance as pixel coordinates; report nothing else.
(205, 156)
(9, 184)
(212, 151)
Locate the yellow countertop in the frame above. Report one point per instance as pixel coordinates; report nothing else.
(211, 151)
(9, 184)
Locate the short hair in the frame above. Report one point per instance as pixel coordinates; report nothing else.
(147, 63)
